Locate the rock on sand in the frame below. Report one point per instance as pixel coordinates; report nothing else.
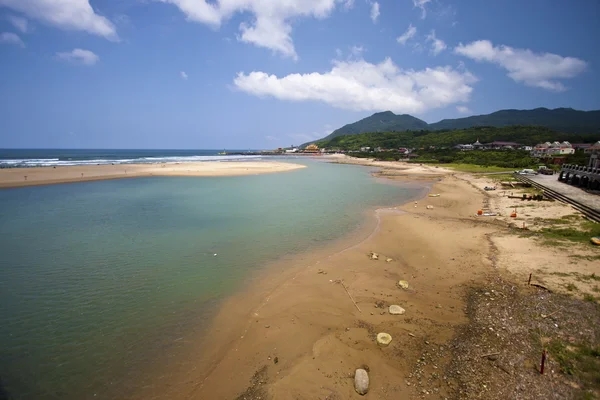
(403, 284)
(383, 339)
(396, 310)
(374, 256)
(361, 381)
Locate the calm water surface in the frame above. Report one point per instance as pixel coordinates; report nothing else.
(97, 277)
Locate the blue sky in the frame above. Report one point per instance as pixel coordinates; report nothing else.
(268, 73)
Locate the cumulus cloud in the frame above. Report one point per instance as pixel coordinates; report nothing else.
(523, 65)
(409, 34)
(421, 4)
(79, 56)
(463, 109)
(11, 38)
(19, 23)
(362, 86)
(183, 75)
(65, 14)
(270, 25)
(374, 11)
(348, 4)
(437, 45)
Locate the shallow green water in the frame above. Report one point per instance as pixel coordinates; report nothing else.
(96, 277)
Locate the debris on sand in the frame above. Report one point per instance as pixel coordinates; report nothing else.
(396, 310)
(361, 381)
(383, 339)
(403, 284)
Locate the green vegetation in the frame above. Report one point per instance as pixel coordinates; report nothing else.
(528, 135)
(571, 287)
(588, 297)
(476, 168)
(502, 160)
(579, 360)
(581, 234)
(564, 120)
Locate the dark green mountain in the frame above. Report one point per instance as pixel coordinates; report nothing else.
(562, 120)
(385, 121)
(566, 120)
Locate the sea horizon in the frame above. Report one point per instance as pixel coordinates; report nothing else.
(46, 157)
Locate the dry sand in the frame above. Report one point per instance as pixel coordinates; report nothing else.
(16, 177)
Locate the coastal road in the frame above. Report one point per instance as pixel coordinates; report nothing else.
(575, 193)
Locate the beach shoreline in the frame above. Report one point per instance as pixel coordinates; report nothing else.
(36, 176)
(249, 330)
(304, 324)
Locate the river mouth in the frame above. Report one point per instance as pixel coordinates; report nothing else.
(107, 278)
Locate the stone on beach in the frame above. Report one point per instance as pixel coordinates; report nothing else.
(361, 381)
(396, 310)
(383, 339)
(389, 260)
(374, 256)
(403, 284)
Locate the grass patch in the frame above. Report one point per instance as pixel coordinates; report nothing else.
(592, 277)
(501, 177)
(571, 287)
(589, 297)
(474, 168)
(586, 258)
(586, 230)
(581, 361)
(563, 274)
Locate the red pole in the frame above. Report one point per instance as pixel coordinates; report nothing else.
(543, 361)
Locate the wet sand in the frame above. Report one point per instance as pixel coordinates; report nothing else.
(295, 333)
(18, 177)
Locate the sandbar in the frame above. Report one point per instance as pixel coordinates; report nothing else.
(18, 177)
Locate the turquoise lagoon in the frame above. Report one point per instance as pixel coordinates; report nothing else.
(97, 278)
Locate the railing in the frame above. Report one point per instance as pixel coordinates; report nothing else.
(589, 212)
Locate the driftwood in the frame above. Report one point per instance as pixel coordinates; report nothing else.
(349, 295)
(540, 286)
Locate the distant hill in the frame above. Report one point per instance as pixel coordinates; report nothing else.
(527, 135)
(385, 121)
(562, 120)
(566, 120)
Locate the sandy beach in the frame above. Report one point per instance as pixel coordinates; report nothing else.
(304, 326)
(18, 177)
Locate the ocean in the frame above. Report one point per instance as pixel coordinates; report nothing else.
(98, 279)
(10, 158)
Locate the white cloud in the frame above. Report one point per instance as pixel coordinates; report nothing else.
(183, 75)
(357, 51)
(362, 86)
(421, 4)
(463, 109)
(19, 23)
(270, 26)
(79, 56)
(271, 138)
(437, 45)
(523, 65)
(348, 4)
(65, 14)
(11, 38)
(338, 52)
(374, 11)
(410, 33)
